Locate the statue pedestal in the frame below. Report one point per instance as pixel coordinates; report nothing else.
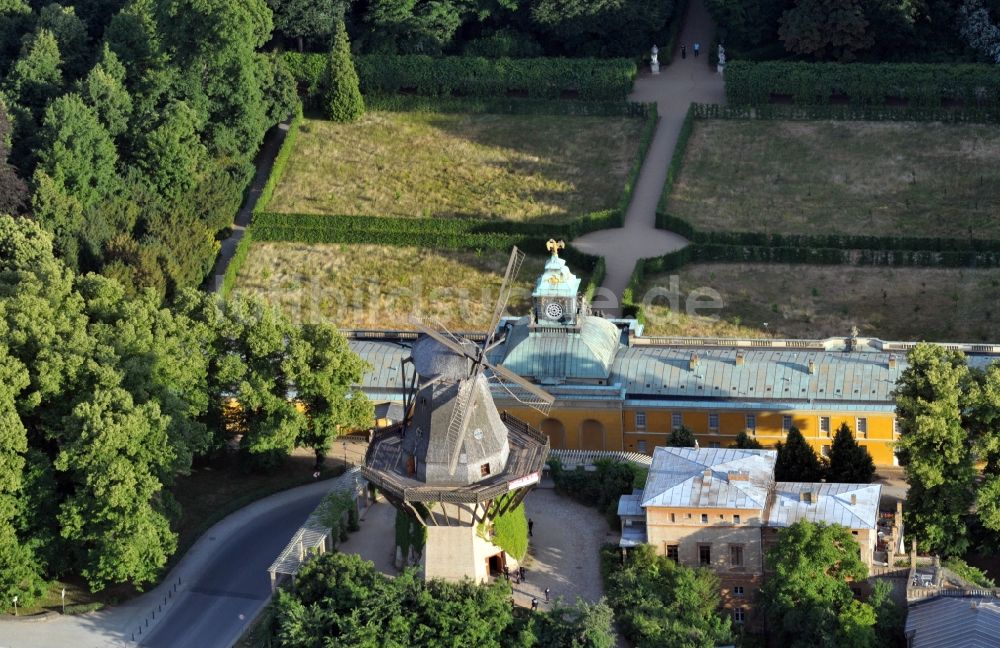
(654, 67)
(720, 68)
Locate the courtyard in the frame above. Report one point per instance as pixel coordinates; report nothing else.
(547, 168)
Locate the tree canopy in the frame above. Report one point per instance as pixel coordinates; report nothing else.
(935, 449)
(340, 597)
(797, 461)
(850, 462)
(107, 395)
(682, 437)
(807, 601)
(660, 603)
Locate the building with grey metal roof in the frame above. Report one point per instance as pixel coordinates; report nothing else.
(727, 478)
(854, 506)
(953, 622)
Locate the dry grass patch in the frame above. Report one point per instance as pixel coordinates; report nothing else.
(799, 301)
(826, 177)
(513, 167)
(379, 287)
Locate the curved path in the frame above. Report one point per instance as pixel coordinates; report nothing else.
(683, 82)
(221, 584)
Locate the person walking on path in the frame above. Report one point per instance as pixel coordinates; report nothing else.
(684, 51)
(506, 572)
(531, 524)
(520, 572)
(534, 604)
(697, 49)
(546, 594)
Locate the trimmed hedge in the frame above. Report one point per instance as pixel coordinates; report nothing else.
(505, 106)
(841, 112)
(280, 162)
(236, 263)
(919, 84)
(471, 76)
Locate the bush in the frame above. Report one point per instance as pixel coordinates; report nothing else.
(927, 85)
(343, 97)
(968, 572)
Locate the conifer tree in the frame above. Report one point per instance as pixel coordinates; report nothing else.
(850, 462)
(682, 437)
(797, 461)
(745, 442)
(343, 98)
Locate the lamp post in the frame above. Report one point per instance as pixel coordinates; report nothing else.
(345, 454)
(15, 606)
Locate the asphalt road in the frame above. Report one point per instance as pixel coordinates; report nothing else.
(215, 608)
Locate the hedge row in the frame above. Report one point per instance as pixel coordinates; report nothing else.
(919, 84)
(280, 162)
(842, 112)
(470, 76)
(505, 106)
(236, 263)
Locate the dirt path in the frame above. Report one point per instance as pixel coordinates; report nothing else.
(376, 540)
(679, 84)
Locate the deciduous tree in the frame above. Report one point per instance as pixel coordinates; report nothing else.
(807, 602)
(935, 448)
(682, 437)
(746, 442)
(825, 29)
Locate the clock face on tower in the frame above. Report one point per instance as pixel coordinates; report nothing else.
(553, 310)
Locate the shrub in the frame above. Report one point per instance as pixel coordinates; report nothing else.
(343, 96)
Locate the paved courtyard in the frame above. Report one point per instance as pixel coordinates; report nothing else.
(564, 550)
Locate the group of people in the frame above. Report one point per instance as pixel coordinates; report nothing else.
(696, 48)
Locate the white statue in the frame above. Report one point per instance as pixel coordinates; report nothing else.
(721, 65)
(654, 62)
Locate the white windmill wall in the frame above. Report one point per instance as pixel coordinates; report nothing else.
(456, 553)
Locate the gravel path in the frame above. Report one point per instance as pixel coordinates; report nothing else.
(679, 84)
(376, 540)
(564, 550)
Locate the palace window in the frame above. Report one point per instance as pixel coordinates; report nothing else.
(825, 451)
(895, 428)
(484, 470)
(674, 552)
(736, 555)
(705, 554)
(824, 425)
(786, 423)
(752, 423)
(736, 519)
(713, 421)
(739, 615)
(715, 444)
(704, 518)
(738, 591)
(640, 421)
(676, 420)
(642, 445)
(862, 427)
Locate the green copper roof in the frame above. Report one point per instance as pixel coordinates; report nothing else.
(560, 353)
(557, 280)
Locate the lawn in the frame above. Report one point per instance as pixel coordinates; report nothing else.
(799, 301)
(379, 287)
(512, 167)
(824, 177)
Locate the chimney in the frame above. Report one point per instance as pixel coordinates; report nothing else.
(708, 473)
(854, 499)
(812, 366)
(739, 475)
(806, 497)
(892, 361)
(693, 362)
(739, 358)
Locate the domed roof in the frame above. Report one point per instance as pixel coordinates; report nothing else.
(555, 355)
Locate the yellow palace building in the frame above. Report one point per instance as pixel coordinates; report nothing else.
(618, 390)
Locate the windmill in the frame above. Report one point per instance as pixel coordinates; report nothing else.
(455, 462)
(474, 356)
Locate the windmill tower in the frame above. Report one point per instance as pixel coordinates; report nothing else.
(455, 463)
